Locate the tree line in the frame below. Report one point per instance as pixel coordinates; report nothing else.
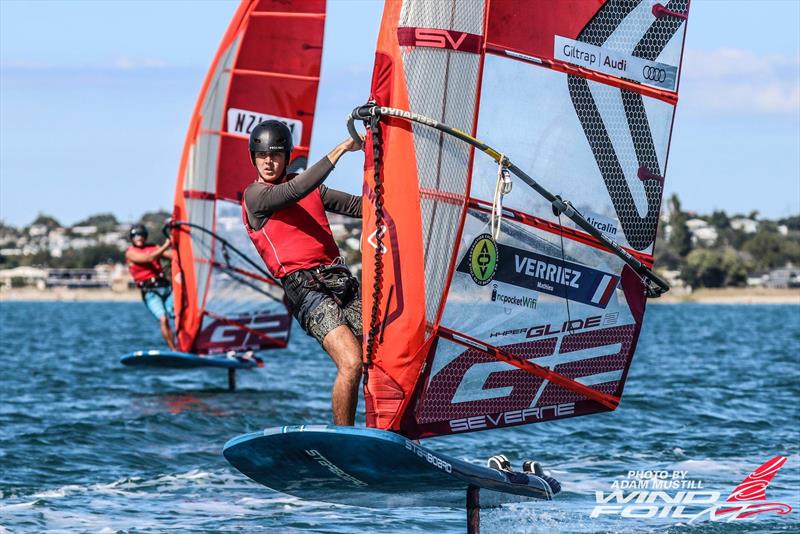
(727, 262)
(76, 258)
(735, 253)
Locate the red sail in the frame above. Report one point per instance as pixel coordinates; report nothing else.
(267, 67)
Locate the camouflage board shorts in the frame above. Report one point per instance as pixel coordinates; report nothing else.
(328, 315)
(317, 311)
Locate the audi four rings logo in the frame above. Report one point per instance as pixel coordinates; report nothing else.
(654, 74)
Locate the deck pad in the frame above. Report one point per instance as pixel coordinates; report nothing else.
(370, 468)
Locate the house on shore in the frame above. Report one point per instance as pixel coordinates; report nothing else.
(23, 276)
(783, 278)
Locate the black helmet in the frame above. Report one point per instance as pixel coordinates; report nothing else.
(138, 229)
(270, 136)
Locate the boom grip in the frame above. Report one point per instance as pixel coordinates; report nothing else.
(351, 129)
(169, 225)
(362, 113)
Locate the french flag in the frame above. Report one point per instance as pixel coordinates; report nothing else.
(604, 290)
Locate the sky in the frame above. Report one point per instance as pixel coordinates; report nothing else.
(96, 96)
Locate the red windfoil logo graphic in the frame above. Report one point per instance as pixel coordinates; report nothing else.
(754, 489)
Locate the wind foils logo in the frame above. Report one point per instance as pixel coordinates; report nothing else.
(647, 498)
(753, 490)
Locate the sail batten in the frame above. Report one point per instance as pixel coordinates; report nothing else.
(286, 76)
(525, 306)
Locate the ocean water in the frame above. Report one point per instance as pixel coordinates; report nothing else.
(88, 445)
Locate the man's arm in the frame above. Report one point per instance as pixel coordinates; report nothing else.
(340, 202)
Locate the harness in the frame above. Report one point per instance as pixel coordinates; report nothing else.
(335, 280)
(152, 283)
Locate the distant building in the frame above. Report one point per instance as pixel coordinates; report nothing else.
(84, 230)
(57, 242)
(673, 278)
(102, 276)
(117, 239)
(702, 232)
(783, 278)
(694, 224)
(707, 236)
(757, 279)
(36, 230)
(78, 278)
(6, 235)
(27, 276)
(29, 249)
(118, 276)
(748, 226)
(81, 242)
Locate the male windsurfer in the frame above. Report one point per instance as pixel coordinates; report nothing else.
(145, 268)
(285, 217)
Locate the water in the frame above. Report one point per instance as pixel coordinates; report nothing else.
(87, 445)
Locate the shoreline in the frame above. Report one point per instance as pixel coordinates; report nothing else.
(31, 294)
(729, 295)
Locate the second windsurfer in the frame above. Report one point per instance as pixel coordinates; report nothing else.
(285, 217)
(145, 267)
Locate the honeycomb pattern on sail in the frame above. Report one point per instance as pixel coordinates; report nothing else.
(442, 84)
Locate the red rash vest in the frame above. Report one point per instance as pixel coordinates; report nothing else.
(287, 221)
(142, 272)
(296, 237)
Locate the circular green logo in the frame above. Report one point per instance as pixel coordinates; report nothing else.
(483, 259)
